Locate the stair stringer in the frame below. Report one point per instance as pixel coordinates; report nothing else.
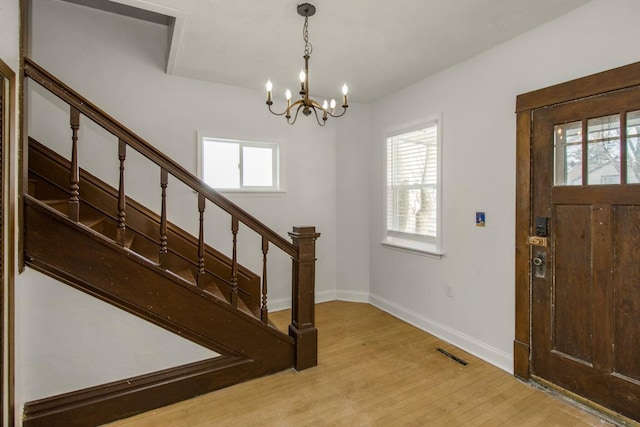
(90, 262)
(84, 259)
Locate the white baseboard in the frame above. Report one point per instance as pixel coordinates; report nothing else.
(490, 354)
(285, 303)
(352, 296)
(279, 304)
(325, 296)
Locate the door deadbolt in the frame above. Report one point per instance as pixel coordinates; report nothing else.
(538, 262)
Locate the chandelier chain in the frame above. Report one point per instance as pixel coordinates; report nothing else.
(308, 47)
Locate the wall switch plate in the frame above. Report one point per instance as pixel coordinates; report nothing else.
(449, 290)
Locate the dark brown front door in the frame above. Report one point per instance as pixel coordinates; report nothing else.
(585, 283)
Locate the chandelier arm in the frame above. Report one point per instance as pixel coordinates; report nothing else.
(314, 104)
(276, 114)
(286, 110)
(324, 118)
(295, 117)
(344, 110)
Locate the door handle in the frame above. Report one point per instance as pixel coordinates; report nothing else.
(539, 264)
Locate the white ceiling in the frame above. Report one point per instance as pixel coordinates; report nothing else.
(376, 46)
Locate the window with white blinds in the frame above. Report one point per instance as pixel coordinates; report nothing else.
(413, 187)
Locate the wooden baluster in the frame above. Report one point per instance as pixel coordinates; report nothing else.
(201, 207)
(122, 200)
(234, 264)
(74, 180)
(164, 180)
(264, 312)
(302, 328)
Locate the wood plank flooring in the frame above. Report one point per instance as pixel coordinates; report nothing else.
(374, 370)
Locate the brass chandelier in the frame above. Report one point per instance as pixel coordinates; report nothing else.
(306, 104)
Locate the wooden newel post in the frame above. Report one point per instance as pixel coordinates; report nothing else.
(302, 328)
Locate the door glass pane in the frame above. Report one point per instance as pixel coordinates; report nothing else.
(603, 143)
(633, 147)
(568, 157)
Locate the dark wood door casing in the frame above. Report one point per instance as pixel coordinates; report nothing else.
(7, 197)
(612, 207)
(596, 84)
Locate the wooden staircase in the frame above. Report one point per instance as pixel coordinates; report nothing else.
(95, 238)
(47, 173)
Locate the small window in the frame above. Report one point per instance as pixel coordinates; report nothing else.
(230, 165)
(413, 188)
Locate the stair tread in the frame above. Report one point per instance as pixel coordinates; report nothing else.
(185, 273)
(55, 201)
(243, 307)
(128, 240)
(92, 222)
(209, 284)
(61, 205)
(213, 289)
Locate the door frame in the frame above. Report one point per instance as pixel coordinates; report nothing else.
(8, 224)
(593, 85)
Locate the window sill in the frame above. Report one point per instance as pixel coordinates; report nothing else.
(252, 193)
(413, 246)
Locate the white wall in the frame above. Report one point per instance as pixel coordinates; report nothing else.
(74, 341)
(352, 205)
(477, 100)
(9, 36)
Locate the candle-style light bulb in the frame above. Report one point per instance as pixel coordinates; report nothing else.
(269, 87)
(345, 90)
(325, 105)
(302, 76)
(287, 95)
(333, 105)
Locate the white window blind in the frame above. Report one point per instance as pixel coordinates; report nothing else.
(412, 184)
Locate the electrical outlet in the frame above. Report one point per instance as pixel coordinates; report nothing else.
(450, 290)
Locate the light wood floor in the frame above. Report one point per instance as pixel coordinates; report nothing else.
(374, 370)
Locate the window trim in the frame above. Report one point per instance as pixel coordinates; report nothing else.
(278, 164)
(407, 242)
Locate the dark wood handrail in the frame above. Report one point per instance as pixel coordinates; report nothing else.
(111, 125)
